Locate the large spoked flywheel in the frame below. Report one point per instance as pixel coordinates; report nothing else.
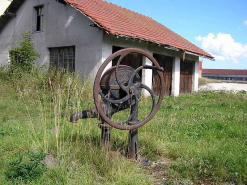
(121, 86)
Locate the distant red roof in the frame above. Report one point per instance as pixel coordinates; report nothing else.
(123, 22)
(225, 71)
(200, 65)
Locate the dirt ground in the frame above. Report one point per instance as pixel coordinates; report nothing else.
(224, 86)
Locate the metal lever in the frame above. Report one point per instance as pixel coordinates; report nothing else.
(154, 67)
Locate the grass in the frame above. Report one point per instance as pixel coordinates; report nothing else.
(203, 134)
(204, 81)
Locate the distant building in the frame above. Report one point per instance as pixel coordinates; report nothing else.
(225, 74)
(200, 68)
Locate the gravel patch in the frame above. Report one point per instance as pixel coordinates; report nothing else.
(224, 87)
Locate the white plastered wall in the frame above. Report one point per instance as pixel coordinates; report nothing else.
(195, 77)
(176, 76)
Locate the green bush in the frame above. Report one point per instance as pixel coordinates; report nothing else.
(22, 58)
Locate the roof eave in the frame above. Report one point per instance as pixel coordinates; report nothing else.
(165, 46)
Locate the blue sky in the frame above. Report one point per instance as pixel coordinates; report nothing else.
(217, 26)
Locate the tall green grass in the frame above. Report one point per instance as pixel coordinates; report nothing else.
(204, 134)
(29, 110)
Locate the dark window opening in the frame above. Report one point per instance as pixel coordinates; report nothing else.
(115, 49)
(61, 1)
(63, 58)
(39, 14)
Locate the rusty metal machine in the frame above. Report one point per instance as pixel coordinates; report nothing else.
(119, 88)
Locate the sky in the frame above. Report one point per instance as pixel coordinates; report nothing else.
(3, 5)
(219, 27)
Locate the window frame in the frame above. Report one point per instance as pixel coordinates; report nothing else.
(41, 23)
(56, 63)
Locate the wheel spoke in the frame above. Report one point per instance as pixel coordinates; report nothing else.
(114, 101)
(150, 92)
(131, 80)
(143, 67)
(133, 113)
(116, 74)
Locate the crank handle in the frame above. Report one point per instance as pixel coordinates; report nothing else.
(154, 67)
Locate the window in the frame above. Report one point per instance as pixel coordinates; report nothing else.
(39, 13)
(63, 58)
(61, 1)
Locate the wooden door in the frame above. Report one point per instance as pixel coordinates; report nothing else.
(133, 60)
(186, 72)
(166, 63)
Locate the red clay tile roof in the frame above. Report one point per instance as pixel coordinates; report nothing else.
(225, 71)
(121, 21)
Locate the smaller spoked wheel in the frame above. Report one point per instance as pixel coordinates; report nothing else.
(125, 87)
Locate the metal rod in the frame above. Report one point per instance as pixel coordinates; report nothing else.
(133, 135)
(106, 131)
(133, 144)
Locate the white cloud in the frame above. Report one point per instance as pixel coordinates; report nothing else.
(245, 22)
(223, 47)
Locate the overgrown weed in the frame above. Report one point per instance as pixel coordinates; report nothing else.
(26, 166)
(204, 133)
(76, 147)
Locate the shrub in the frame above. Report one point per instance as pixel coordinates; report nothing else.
(22, 58)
